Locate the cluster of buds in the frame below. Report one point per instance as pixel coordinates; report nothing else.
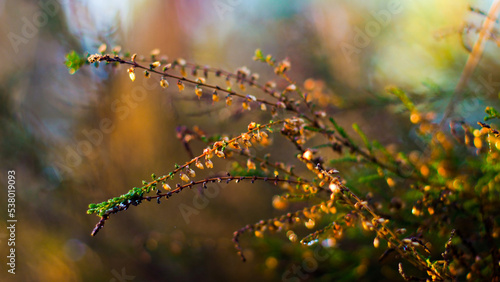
(96, 58)
(282, 67)
(208, 155)
(242, 73)
(218, 149)
(293, 127)
(185, 176)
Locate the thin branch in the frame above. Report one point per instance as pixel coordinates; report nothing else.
(473, 59)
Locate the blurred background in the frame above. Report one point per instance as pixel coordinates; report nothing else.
(50, 121)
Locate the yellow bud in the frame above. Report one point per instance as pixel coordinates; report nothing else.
(183, 71)
(310, 166)
(180, 85)
(235, 145)
(251, 98)
(215, 97)
(367, 225)
(415, 117)
(390, 182)
(164, 82)
(167, 187)
(102, 48)
(250, 164)
(156, 64)
(199, 165)
(247, 143)
(191, 173)
(181, 62)
(415, 211)
(478, 143)
(209, 164)
(291, 87)
(155, 52)
(167, 67)
(401, 231)
(184, 177)
(220, 154)
(310, 223)
(307, 155)
(279, 203)
(229, 100)
(271, 262)
(334, 187)
(430, 210)
(198, 92)
(252, 125)
(131, 74)
(424, 170)
(333, 210)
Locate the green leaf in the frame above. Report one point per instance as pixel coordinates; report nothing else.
(402, 96)
(363, 136)
(344, 159)
(369, 178)
(492, 113)
(339, 129)
(342, 132)
(258, 55)
(74, 61)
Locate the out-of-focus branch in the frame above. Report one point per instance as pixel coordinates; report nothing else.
(473, 59)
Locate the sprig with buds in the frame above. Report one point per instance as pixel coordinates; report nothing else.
(135, 196)
(456, 175)
(200, 82)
